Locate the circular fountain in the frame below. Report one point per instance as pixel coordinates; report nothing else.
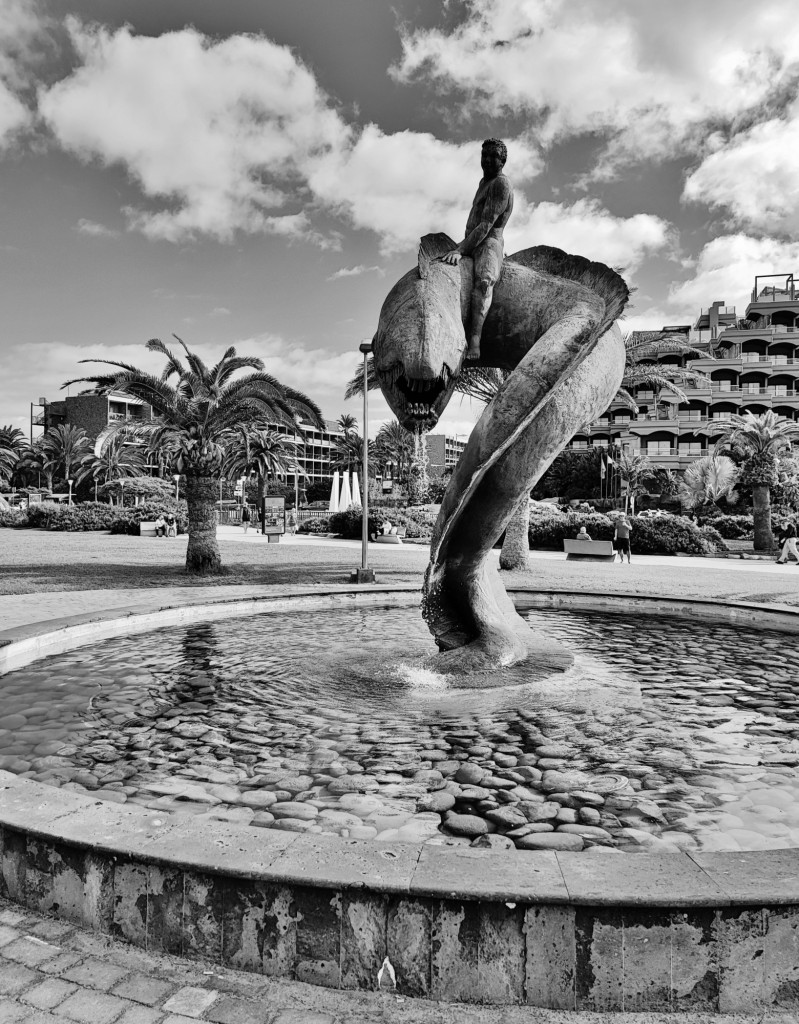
(157, 772)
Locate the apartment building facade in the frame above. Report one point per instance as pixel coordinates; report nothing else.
(92, 412)
(443, 452)
(752, 364)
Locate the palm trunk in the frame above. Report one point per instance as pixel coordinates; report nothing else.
(202, 554)
(516, 546)
(761, 501)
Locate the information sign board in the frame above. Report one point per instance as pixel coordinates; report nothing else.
(273, 516)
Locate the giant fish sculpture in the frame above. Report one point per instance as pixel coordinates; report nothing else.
(552, 323)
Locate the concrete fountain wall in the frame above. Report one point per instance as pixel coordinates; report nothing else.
(587, 931)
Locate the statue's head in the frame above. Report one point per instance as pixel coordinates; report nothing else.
(420, 341)
(493, 156)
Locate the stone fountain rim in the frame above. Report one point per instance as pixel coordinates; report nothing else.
(139, 835)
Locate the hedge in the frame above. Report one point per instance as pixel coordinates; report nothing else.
(656, 535)
(127, 520)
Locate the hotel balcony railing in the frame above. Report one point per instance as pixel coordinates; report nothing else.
(775, 294)
(121, 417)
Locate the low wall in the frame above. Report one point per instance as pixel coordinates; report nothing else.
(589, 931)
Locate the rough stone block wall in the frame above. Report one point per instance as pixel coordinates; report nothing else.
(594, 958)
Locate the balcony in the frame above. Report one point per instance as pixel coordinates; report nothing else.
(121, 417)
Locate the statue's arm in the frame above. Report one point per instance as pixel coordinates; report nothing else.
(494, 205)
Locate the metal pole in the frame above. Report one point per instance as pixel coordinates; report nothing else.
(366, 348)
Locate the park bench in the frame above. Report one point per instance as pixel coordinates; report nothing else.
(147, 529)
(395, 537)
(593, 550)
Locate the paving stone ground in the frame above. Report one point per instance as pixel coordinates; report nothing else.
(52, 973)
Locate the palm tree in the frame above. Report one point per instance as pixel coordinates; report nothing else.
(708, 480)
(63, 449)
(349, 452)
(192, 416)
(113, 458)
(756, 443)
(262, 450)
(347, 423)
(635, 470)
(12, 446)
(394, 445)
(642, 369)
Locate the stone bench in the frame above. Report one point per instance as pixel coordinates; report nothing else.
(395, 537)
(147, 529)
(595, 550)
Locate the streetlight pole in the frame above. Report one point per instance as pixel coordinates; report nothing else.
(365, 574)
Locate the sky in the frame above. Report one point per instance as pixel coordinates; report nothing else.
(258, 173)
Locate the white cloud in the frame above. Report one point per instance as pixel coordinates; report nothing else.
(588, 229)
(220, 311)
(726, 269)
(216, 131)
(249, 142)
(407, 184)
(20, 24)
(652, 76)
(755, 175)
(356, 272)
(95, 230)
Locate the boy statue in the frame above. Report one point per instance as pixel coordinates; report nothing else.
(491, 208)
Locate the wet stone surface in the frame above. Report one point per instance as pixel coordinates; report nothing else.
(664, 736)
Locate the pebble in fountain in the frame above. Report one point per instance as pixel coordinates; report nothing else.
(550, 319)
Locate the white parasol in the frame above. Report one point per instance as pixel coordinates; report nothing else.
(345, 500)
(334, 506)
(356, 490)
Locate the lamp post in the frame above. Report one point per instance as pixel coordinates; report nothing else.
(365, 574)
(176, 478)
(70, 490)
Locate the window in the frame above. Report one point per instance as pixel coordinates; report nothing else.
(691, 414)
(779, 389)
(721, 415)
(624, 418)
(579, 445)
(690, 448)
(658, 447)
(722, 385)
(752, 389)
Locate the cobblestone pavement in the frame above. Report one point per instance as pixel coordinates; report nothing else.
(52, 973)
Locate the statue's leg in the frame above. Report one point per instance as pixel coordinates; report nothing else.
(487, 268)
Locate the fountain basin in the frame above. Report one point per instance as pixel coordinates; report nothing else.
(545, 928)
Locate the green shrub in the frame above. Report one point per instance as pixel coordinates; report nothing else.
(350, 523)
(13, 517)
(86, 516)
(320, 525)
(650, 535)
(127, 520)
(731, 527)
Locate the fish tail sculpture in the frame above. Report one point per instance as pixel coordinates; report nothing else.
(552, 324)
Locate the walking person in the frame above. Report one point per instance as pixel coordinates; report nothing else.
(245, 517)
(621, 540)
(788, 540)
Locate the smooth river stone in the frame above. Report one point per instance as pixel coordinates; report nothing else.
(466, 825)
(296, 783)
(550, 841)
(353, 784)
(547, 811)
(292, 809)
(506, 817)
(587, 832)
(259, 799)
(492, 842)
(470, 774)
(440, 801)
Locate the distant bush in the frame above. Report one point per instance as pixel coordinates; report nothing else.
(14, 517)
(650, 535)
(321, 525)
(87, 516)
(127, 520)
(350, 523)
(731, 527)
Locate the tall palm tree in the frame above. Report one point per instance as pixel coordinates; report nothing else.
(756, 443)
(114, 458)
(349, 452)
(192, 415)
(708, 480)
(12, 446)
(347, 423)
(635, 470)
(394, 444)
(261, 450)
(63, 449)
